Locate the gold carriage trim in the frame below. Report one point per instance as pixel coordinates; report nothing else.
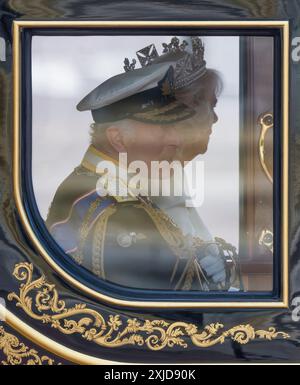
(40, 300)
(17, 353)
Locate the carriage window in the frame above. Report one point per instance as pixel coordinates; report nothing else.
(152, 158)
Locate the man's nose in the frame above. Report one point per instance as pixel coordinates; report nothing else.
(173, 137)
(215, 118)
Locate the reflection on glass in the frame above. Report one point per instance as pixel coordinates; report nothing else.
(168, 190)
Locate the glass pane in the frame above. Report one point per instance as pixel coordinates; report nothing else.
(150, 165)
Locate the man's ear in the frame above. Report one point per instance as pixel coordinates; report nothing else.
(115, 138)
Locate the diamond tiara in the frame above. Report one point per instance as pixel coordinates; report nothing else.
(189, 67)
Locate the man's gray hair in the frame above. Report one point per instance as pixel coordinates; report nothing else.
(98, 129)
(211, 82)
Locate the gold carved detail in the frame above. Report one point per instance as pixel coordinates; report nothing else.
(40, 300)
(17, 353)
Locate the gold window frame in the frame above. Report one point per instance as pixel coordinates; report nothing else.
(20, 25)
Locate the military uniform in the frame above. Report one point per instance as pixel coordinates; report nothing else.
(124, 242)
(129, 240)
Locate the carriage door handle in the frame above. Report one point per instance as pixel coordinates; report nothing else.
(266, 122)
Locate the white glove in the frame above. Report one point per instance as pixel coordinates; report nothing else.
(214, 267)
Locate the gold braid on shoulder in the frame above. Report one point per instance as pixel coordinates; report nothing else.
(84, 230)
(98, 241)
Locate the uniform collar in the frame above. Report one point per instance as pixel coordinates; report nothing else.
(90, 161)
(93, 156)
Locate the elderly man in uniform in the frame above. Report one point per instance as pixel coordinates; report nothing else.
(134, 240)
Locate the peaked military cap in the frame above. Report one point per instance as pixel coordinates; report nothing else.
(144, 94)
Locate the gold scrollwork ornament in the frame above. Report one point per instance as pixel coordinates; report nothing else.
(40, 300)
(17, 353)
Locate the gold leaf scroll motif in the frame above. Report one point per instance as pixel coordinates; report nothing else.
(17, 353)
(40, 300)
